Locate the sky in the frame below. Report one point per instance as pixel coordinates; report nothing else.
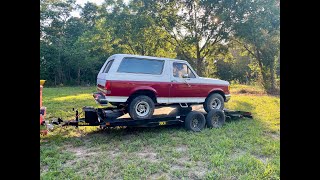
(82, 2)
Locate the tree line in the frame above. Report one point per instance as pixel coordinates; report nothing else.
(235, 40)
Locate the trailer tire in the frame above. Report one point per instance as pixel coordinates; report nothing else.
(141, 107)
(215, 118)
(195, 121)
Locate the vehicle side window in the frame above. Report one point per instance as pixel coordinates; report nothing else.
(141, 66)
(180, 68)
(106, 69)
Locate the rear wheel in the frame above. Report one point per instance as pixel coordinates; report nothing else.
(141, 107)
(195, 121)
(214, 101)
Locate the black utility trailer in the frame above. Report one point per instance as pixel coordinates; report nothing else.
(192, 120)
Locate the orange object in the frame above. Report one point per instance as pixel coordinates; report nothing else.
(42, 109)
(43, 132)
(41, 95)
(41, 119)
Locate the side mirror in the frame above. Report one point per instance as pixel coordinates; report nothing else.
(185, 76)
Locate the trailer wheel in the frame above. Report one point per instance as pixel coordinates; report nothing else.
(141, 107)
(195, 121)
(215, 118)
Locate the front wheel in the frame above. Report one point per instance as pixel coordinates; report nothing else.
(141, 107)
(214, 101)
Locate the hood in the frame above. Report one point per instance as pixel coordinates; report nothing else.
(213, 81)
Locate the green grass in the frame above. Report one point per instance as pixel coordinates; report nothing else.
(242, 149)
(246, 89)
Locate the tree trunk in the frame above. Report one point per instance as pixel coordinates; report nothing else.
(79, 77)
(199, 62)
(55, 79)
(263, 73)
(272, 78)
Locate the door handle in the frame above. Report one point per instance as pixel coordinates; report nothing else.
(187, 83)
(174, 81)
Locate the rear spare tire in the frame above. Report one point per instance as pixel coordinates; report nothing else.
(141, 107)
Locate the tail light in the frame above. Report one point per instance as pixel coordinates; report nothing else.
(107, 87)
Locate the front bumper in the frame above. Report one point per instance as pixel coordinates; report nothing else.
(228, 96)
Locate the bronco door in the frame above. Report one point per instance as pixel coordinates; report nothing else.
(184, 87)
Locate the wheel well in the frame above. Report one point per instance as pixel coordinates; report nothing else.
(148, 93)
(218, 92)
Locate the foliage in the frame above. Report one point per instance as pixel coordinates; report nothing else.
(232, 40)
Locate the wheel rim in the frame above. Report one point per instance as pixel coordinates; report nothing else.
(142, 108)
(215, 120)
(216, 103)
(194, 122)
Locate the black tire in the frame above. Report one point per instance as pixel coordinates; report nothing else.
(213, 98)
(215, 118)
(192, 125)
(134, 111)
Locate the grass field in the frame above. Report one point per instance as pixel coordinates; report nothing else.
(243, 149)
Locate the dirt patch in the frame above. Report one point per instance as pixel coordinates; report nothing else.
(263, 159)
(148, 154)
(163, 110)
(177, 167)
(182, 148)
(82, 151)
(44, 169)
(159, 176)
(237, 154)
(157, 111)
(199, 170)
(198, 108)
(274, 136)
(114, 153)
(249, 91)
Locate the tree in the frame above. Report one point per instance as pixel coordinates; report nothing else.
(259, 34)
(90, 14)
(210, 34)
(135, 32)
(196, 27)
(56, 14)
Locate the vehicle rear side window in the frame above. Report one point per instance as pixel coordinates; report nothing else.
(143, 66)
(107, 67)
